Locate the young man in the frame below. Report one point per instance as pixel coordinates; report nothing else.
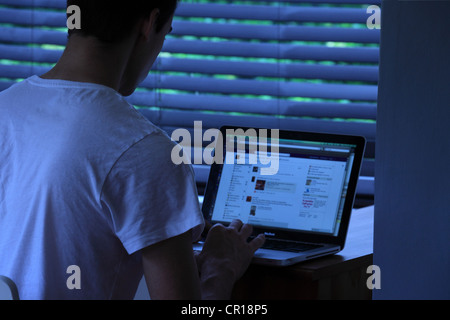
(89, 198)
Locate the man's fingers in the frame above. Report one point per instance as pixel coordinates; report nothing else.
(236, 224)
(257, 242)
(246, 230)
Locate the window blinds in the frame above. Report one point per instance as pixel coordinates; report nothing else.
(300, 65)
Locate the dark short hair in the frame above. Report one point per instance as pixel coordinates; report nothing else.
(112, 21)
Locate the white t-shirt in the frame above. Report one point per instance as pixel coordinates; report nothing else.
(85, 181)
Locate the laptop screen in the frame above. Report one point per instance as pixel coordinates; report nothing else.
(305, 191)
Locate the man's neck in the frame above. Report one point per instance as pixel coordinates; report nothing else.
(87, 60)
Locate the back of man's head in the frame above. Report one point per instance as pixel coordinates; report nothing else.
(112, 21)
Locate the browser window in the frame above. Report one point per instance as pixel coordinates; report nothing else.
(307, 193)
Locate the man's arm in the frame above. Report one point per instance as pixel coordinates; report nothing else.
(170, 269)
(171, 272)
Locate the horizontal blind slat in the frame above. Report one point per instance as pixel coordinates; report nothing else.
(267, 12)
(32, 36)
(268, 50)
(275, 33)
(21, 71)
(32, 17)
(225, 103)
(26, 53)
(275, 70)
(285, 89)
(58, 4)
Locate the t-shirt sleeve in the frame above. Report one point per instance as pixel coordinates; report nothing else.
(148, 198)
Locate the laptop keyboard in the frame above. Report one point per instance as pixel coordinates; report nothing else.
(289, 246)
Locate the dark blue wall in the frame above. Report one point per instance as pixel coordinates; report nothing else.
(412, 174)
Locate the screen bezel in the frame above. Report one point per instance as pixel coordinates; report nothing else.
(339, 239)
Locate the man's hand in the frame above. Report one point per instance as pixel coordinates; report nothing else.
(225, 257)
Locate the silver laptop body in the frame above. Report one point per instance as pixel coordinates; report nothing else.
(297, 188)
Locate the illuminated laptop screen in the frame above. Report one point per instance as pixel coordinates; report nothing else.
(305, 192)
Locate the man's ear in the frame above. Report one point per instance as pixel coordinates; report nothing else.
(148, 25)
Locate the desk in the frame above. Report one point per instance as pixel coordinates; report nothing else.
(340, 276)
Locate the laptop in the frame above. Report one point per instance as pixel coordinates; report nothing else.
(298, 188)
